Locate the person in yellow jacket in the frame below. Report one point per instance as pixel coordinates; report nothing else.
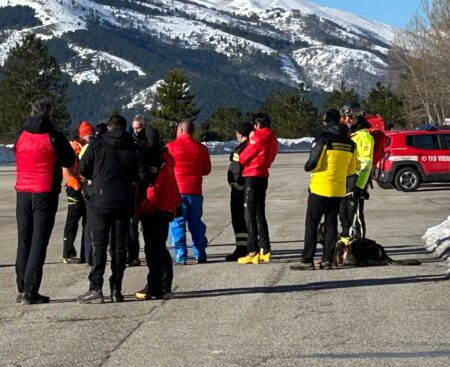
(76, 208)
(351, 212)
(332, 160)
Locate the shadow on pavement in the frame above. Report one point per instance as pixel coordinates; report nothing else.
(338, 284)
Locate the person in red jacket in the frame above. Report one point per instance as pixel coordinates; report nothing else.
(156, 208)
(256, 159)
(76, 208)
(192, 162)
(41, 152)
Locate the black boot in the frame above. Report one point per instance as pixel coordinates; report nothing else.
(239, 251)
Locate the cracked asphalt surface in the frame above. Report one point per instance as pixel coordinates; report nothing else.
(244, 315)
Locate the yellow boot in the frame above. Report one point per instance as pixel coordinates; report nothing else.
(251, 258)
(264, 257)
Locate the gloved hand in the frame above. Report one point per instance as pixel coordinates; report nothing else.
(236, 157)
(360, 194)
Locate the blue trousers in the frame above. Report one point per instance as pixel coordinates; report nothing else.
(192, 206)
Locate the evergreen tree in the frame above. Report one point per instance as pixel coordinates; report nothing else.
(30, 74)
(173, 100)
(339, 97)
(385, 102)
(221, 125)
(292, 115)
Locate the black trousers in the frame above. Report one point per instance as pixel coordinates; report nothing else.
(319, 206)
(35, 214)
(255, 213)
(76, 210)
(103, 221)
(351, 213)
(133, 240)
(238, 216)
(88, 233)
(155, 230)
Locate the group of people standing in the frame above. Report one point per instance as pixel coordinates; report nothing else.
(340, 163)
(115, 178)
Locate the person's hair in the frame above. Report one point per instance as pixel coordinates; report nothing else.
(41, 108)
(101, 128)
(117, 122)
(140, 118)
(332, 117)
(262, 119)
(187, 126)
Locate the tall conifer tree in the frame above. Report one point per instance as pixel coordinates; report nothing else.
(30, 74)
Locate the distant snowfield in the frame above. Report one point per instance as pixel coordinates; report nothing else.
(214, 147)
(328, 65)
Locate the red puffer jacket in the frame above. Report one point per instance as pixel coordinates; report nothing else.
(192, 162)
(163, 195)
(259, 154)
(36, 159)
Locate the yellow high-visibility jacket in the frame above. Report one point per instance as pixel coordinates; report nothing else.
(364, 153)
(331, 161)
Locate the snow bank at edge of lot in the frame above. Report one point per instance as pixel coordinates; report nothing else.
(437, 240)
(214, 147)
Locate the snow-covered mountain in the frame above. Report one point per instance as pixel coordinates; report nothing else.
(264, 44)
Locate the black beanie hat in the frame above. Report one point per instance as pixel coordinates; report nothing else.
(244, 128)
(332, 117)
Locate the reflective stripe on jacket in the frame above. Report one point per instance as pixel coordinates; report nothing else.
(364, 152)
(331, 161)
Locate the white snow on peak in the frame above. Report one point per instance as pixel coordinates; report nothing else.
(92, 61)
(348, 20)
(328, 66)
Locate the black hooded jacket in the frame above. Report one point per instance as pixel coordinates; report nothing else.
(335, 133)
(111, 162)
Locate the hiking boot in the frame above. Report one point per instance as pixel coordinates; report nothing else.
(19, 298)
(303, 266)
(251, 258)
(91, 297)
(325, 265)
(142, 294)
(202, 260)
(116, 296)
(71, 260)
(264, 256)
(154, 296)
(134, 262)
(34, 299)
(239, 251)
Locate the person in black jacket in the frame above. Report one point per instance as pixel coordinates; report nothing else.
(41, 152)
(111, 162)
(236, 182)
(332, 161)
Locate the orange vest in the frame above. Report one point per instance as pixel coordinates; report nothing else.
(73, 179)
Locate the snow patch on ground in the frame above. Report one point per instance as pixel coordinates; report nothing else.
(214, 147)
(284, 146)
(437, 240)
